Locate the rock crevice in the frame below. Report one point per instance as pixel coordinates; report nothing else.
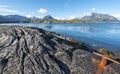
(28, 50)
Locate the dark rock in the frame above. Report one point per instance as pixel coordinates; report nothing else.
(26, 50)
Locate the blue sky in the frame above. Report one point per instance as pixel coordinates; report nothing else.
(59, 8)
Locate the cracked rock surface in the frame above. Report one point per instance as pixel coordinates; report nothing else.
(28, 50)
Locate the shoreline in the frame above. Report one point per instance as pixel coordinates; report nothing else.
(47, 52)
(89, 45)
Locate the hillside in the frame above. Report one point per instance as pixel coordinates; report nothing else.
(13, 19)
(93, 18)
(99, 18)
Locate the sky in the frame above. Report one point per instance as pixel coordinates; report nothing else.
(59, 9)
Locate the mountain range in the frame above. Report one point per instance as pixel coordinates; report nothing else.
(93, 18)
(12, 18)
(99, 18)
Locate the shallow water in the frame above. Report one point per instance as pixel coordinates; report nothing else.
(96, 35)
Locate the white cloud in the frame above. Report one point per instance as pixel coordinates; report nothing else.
(63, 18)
(6, 9)
(9, 10)
(58, 18)
(117, 16)
(29, 16)
(86, 14)
(43, 11)
(67, 18)
(93, 9)
(39, 16)
(4, 14)
(72, 17)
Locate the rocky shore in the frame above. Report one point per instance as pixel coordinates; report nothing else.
(28, 50)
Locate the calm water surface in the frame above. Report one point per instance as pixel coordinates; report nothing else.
(96, 35)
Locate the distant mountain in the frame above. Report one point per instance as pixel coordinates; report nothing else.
(99, 18)
(93, 18)
(48, 17)
(34, 18)
(13, 18)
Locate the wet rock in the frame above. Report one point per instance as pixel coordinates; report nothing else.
(28, 50)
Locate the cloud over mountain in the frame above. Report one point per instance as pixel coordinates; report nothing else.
(43, 11)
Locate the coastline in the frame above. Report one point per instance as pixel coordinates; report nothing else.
(47, 52)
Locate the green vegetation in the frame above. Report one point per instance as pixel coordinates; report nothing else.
(57, 21)
(107, 53)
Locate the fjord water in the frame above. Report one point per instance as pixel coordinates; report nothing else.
(94, 35)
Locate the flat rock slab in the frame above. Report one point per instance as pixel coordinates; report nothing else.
(28, 50)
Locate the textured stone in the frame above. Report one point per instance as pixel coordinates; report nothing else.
(28, 50)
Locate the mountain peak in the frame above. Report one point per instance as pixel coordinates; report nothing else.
(99, 18)
(48, 17)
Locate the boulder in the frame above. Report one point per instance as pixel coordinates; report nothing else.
(29, 50)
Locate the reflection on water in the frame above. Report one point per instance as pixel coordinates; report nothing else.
(113, 31)
(97, 35)
(48, 27)
(74, 29)
(91, 30)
